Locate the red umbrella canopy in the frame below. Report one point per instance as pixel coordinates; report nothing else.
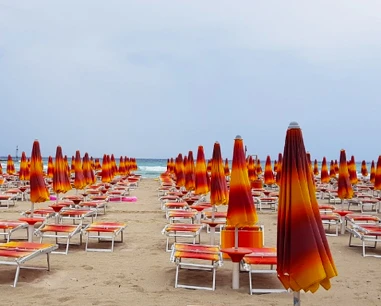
(179, 170)
(279, 170)
(316, 167)
(336, 166)
(218, 186)
(106, 175)
(200, 173)
(353, 171)
(10, 165)
(241, 209)
(97, 165)
(122, 166)
(372, 172)
(79, 178)
(61, 181)
(275, 165)
(344, 190)
(377, 178)
(332, 171)
(304, 258)
(269, 175)
(72, 166)
(67, 166)
(251, 170)
(226, 168)
(38, 191)
(1, 169)
(127, 163)
(49, 172)
(23, 168)
(114, 168)
(190, 183)
(364, 169)
(209, 166)
(324, 176)
(88, 172)
(259, 167)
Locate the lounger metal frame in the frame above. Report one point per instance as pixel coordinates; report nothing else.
(99, 231)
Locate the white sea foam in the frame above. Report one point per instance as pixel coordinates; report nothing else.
(158, 169)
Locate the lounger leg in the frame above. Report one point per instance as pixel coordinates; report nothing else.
(16, 275)
(121, 236)
(112, 244)
(48, 260)
(177, 275)
(250, 283)
(214, 278)
(67, 246)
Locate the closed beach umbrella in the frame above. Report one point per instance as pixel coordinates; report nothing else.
(372, 172)
(324, 176)
(72, 165)
(304, 260)
(251, 170)
(226, 168)
(114, 168)
(87, 171)
(344, 189)
(97, 165)
(218, 186)
(316, 168)
(180, 175)
(38, 191)
(241, 209)
(353, 171)
(61, 180)
(23, 168)
(10, 166)
(279, 170)
(202, 186)
(336, 166)
(269, 174)
(364, 169)
(79, 178)
(259, 167)
(50, 170)
(190, 183)
(106, 175)
(332, 171)
(377, 178)
(122, 166)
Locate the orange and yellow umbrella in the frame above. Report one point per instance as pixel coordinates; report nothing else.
(316, 168)
(179, 171)
(259, 167)
(201, 181)
(324, 176)
(353, 171)
(97, 165)
(10, 166)
(218, 186)
(226, 168)
(72, 165)
(251, 169)
(79, 178)
(377, 177)
(269, 174)
(190, 183)
(372, 172)
(332, 171)
(61, 180)
(114, 168)
(88, 172)
(106, 175)
(279, 170)
(49, 172)
(38, 191)
(344, 189)
(364, 169)
(336, 166)
(307, 265)
(241, 209)
(24, 171)
(310, 162)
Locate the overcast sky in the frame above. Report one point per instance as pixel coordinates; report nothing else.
(155, 78)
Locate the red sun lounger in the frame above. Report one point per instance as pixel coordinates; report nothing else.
(104, 231)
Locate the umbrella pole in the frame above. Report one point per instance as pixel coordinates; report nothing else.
(296, 298)
(212, 228)
(31, 226)
(236, 237)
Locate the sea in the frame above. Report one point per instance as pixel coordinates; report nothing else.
(147, 167)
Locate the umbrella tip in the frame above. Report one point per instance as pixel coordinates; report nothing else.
(294, 125)
(238, 137)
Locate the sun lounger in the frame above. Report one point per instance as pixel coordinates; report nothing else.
(18, 253)
(78, 215)
(262, 257)
(181, 215)
(366, 233)
(66, 231)
(9, 226)
(177, 230)
(98, 205)
(104, 231)
(331, 219)
(8, 200)
(199, 257)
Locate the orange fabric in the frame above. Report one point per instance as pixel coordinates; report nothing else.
(202, 186)
(269, 175)
(364, 169)
(324, 176)
(79, 178)
(38, 191)
(241, 210)
(218, 187)
(61, 182)
(377, 176)
(344, 190)
(304, 258)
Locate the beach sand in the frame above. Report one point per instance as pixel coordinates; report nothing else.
(139, 271)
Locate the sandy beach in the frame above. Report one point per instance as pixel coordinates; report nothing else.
(139, 271)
